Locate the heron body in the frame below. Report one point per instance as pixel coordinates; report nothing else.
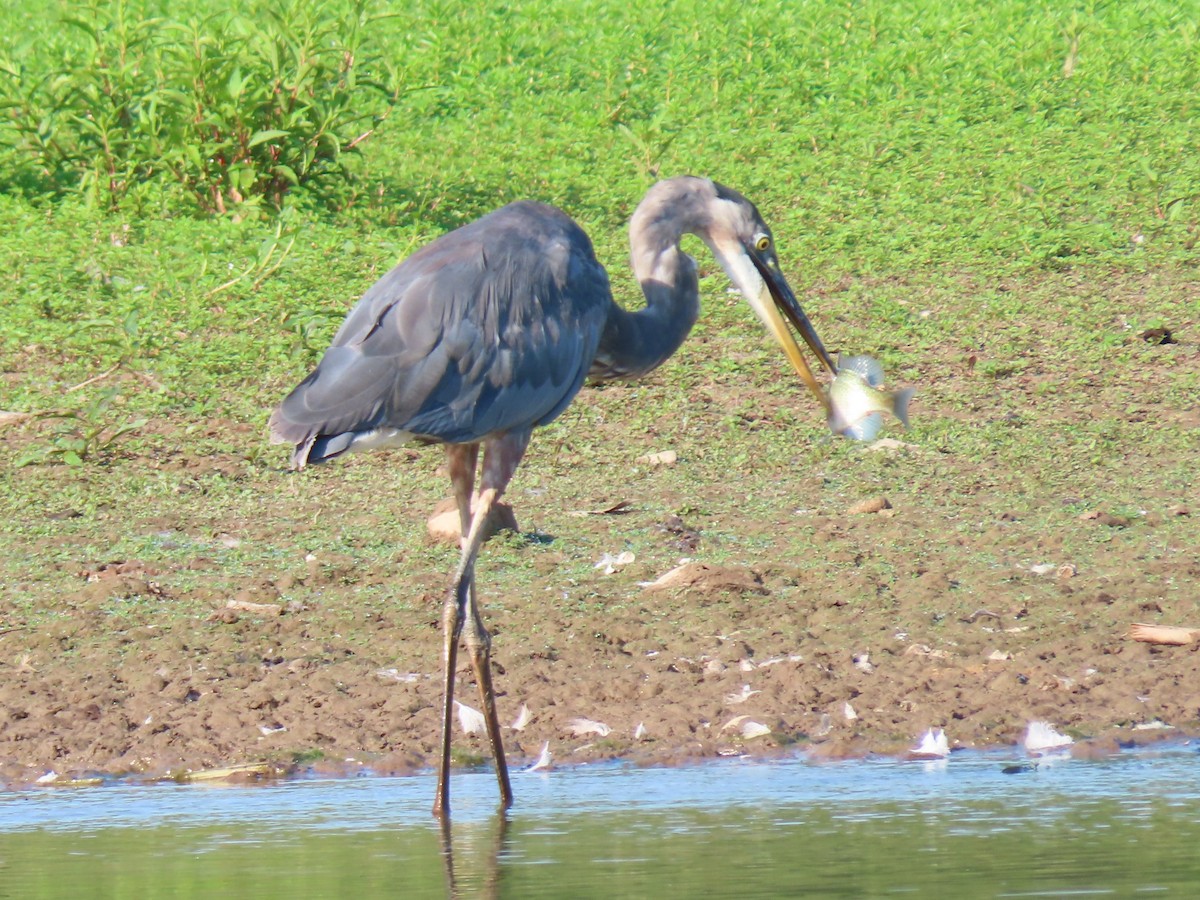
(491, 330)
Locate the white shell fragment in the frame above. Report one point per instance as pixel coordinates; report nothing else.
(1154, 725)
(754, 729)
(610, 563)
(776, 660)
(469, 719)
(581, 727)
(746, 727)
(740, 696)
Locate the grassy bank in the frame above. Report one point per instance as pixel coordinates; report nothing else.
(996, 199)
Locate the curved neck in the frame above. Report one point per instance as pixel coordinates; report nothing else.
(636, 342)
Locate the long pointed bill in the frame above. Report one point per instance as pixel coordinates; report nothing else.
(775, 297)
(769, 295)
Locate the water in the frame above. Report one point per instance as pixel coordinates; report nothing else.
(1122, 827)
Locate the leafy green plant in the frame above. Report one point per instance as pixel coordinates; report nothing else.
(268, 260)
(274, 102)
(81, 124)
(123, 340)
(125, 337)
(81, 434)
(236, 109)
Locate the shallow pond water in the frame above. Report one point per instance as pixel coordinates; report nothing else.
(977, 825)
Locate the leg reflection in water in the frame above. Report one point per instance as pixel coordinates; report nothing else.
(490, 886)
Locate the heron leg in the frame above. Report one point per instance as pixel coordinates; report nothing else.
(461, 460)
(500, 460)
(461, 609)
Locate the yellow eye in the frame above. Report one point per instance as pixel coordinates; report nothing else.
(763, 244)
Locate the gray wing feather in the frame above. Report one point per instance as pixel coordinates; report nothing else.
(490, 328)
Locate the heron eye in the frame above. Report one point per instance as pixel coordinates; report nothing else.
(763, 243)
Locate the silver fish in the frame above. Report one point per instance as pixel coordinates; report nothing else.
(857, 402)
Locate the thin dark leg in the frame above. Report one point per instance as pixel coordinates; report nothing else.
(479, 645)
(500, 461)
(452, 626)
(461, 459)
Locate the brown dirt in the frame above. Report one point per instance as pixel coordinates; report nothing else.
(255, 676)
(914, 590)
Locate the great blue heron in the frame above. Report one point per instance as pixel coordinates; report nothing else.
(491, 330)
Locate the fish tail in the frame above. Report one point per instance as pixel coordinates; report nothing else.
(900, 404)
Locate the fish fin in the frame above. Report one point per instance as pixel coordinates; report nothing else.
(900, 404)
(865, 429)
(867, 368)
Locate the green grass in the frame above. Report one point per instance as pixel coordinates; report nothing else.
(897, 139)
(951, 185)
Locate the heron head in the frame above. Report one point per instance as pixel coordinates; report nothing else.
(745, 248)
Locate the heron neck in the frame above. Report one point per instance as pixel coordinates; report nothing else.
(635, 342)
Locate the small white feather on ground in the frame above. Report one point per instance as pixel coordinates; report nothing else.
(543, 761)
(933, 745)
(581, 727)
(1042, 737)
(524, 717)
(469, 719)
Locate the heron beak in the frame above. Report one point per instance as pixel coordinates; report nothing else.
(773, 303)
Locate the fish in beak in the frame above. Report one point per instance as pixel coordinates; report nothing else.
(857, 399)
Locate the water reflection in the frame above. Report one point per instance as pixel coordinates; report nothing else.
(489, 886)
(864, 829)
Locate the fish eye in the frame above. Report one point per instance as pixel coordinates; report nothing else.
(762, 243)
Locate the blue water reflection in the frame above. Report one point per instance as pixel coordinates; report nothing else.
(980, 824)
